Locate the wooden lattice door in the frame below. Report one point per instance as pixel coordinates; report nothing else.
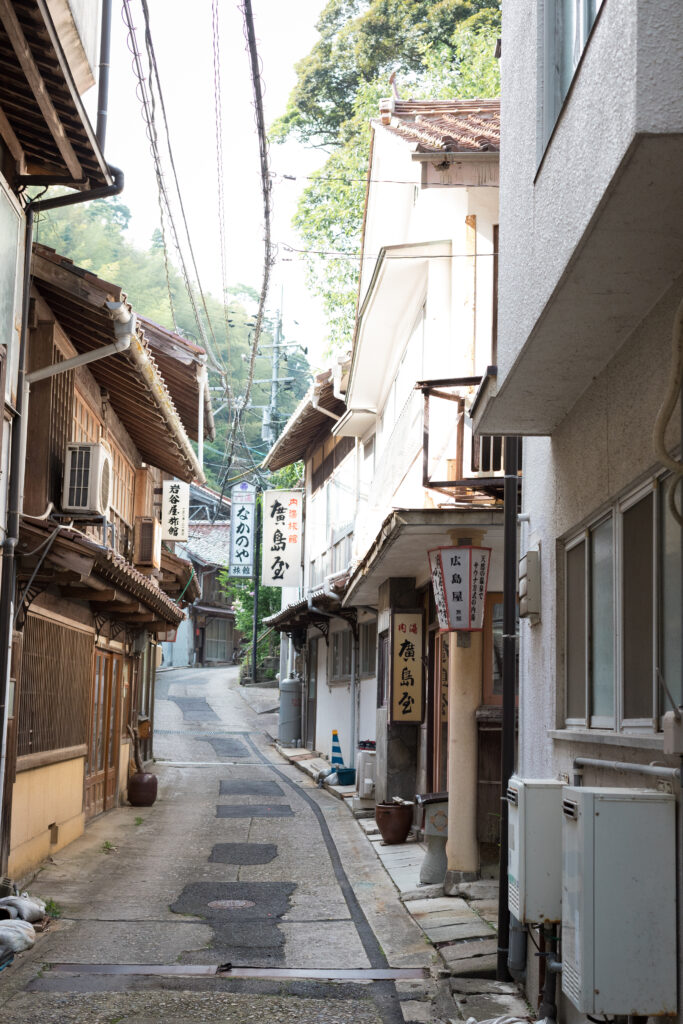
(102, 765)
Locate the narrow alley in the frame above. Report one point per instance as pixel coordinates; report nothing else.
(241, 861)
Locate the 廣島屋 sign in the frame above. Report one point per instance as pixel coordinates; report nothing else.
(460, 578)
(175, 510)
(407, 670)
(282, 538)
(243, 504)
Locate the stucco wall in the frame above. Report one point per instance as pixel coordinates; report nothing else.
(44, 796)
(601, 449)
(629, 81)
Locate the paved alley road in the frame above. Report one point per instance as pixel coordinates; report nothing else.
(241, 861)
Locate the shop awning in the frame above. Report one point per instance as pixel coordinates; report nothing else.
(407, 535)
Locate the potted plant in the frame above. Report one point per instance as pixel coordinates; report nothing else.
(142, 785)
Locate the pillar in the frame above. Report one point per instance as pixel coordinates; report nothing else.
(464, 697)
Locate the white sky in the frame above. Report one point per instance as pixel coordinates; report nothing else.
(182, 37)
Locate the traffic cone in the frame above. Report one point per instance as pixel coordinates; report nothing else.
(337, 759)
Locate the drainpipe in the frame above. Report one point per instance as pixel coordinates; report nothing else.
(511, 490)
(202, 382)
(354, 693)
(315, 402)
(103, 77)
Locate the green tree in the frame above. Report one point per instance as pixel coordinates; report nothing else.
(441, 50)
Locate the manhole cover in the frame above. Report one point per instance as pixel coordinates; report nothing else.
(231, 904)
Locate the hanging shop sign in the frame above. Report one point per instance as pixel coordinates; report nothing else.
(282, 536)
(175, 510)
(460, 578)
(407, 667)
(243, 505)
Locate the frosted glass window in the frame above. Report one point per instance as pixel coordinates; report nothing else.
(672, 606)
(602, 621)
(638, 598)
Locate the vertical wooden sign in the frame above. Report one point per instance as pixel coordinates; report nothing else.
(407, 667)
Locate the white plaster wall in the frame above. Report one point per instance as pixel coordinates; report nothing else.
(600, 450)
(630, 80)
(180, 653)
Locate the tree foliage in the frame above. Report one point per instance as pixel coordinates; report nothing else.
(440, 49)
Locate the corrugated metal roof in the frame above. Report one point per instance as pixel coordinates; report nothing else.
(28, 39)
(181, 362)
(307, 424)
(77, 299)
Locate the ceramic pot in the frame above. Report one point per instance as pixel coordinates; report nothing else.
(142, 789)
(394, 821)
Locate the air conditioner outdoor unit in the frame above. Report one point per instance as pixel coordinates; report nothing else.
(87, 479)
(365, 773)
(535, 849)
(619, 901)
(147, 542)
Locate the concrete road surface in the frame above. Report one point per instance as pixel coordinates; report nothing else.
(244, 894)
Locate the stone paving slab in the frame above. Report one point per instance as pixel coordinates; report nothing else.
(488, 1005)
(483, 967)
(445, 904)
(416, 1012)
(476, 949)
(459, 930)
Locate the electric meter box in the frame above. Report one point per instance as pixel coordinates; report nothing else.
(619, 901)
(535, 849)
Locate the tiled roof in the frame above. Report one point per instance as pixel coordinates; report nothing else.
(444, 126)
(307, 424)
(209, 542)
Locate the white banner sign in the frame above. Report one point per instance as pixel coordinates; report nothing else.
(282, 529)
(463, 580)
(439, 592)
(242, 511)
(175, 510)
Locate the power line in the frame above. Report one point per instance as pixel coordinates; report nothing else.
(151, 55)
(359, 255)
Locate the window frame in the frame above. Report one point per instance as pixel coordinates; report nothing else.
(617, 722)
(344, 677)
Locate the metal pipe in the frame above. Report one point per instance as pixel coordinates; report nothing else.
(17, 461)
(354, 694)
(511, 491)
(103, 82)
(658, 771)
(202, 382)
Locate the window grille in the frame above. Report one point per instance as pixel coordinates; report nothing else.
(54, 694)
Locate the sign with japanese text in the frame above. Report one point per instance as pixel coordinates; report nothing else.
(242, 514)
(407, 669)
(463, 579)
(282, 536)
(438, 587)
(175, 510)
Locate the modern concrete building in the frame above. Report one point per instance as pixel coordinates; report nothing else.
(591, 278)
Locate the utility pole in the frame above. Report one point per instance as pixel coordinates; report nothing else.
(269, 431)
(257, 577)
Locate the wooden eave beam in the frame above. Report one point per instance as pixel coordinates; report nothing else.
(123, 609)
(94, 596)
(11, 141)
(38, 88)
